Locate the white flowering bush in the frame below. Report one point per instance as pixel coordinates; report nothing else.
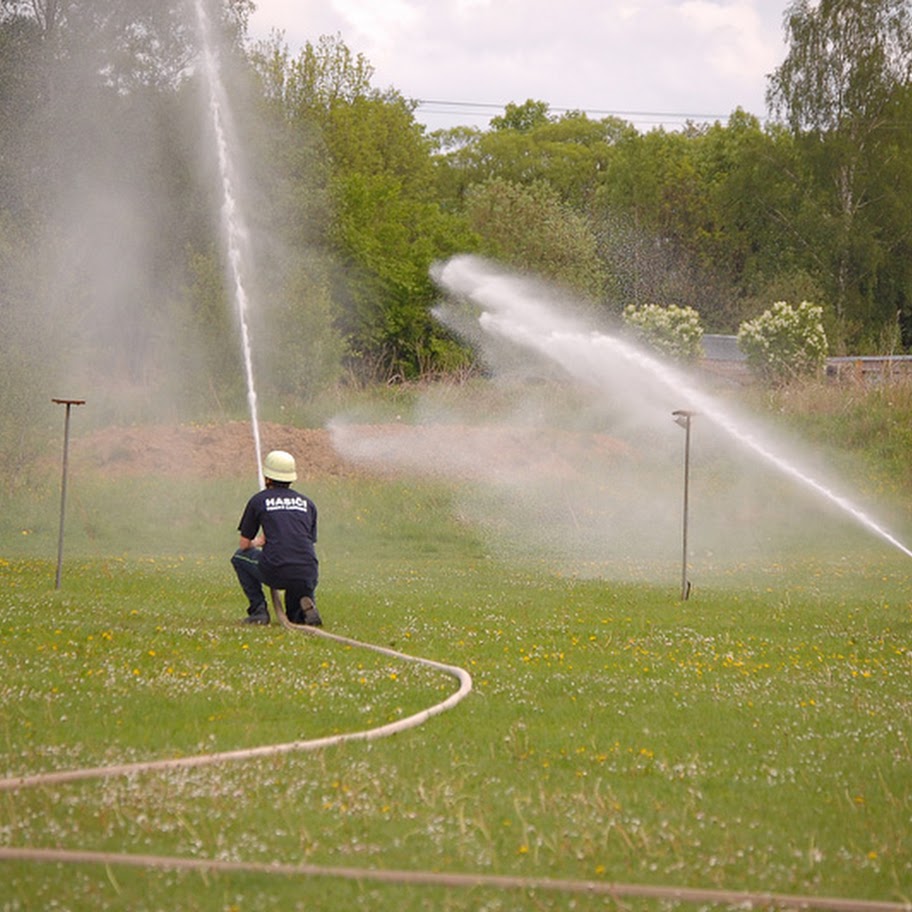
(673, 331)
(785, 342)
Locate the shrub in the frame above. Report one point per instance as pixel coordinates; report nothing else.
(673, 331)
(785, 342)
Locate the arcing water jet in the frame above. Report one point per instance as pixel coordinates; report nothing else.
(522, 313)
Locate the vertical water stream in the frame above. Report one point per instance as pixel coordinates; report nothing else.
(234, 232)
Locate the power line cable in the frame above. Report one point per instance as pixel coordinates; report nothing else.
(485, 108)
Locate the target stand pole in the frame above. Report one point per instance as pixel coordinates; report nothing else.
(683, 418)
(63, 486)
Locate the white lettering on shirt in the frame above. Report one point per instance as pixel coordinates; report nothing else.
(286, 503)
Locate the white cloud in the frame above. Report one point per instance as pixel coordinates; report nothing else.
(378, 22)
(734, 31)
(687, 56)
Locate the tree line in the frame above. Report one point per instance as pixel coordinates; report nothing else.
(110, 262)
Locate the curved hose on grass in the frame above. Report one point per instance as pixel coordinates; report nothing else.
(268, 750)
(401, 877)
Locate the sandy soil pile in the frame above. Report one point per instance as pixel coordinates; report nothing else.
(222, 450)
(227, 450)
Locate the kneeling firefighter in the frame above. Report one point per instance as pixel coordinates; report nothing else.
(278, 531)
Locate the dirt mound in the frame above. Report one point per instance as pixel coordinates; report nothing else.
(227, 450)
(221, 450)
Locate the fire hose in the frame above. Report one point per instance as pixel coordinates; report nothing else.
(615, 891)
(268, 750)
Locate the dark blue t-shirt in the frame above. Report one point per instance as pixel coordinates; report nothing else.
(289, 522)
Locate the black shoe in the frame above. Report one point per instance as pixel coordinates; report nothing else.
(311, 615)
(258, 615)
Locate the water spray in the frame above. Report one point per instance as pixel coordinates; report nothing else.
(232, 223)
(520, 313)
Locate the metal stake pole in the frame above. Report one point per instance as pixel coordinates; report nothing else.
(63, 486)
(683, 418)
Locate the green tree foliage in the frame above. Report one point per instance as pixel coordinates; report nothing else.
(838, 90)
(658, 232)
(530, 228)
(116, 218)
(74, 186)
(323, 75)
(123, 44)
(845, 60)
(24, 65)
(305, 347)
(570, 153)
(22, 371)
(109, 253)
(386, 226)
(297, 346)
(745, 175)
(522, 118)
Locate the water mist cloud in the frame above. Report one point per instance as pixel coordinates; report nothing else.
(571, 450)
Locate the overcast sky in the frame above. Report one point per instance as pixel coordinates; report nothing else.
(640, 59)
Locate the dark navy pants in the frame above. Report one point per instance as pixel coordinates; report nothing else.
(252, 579)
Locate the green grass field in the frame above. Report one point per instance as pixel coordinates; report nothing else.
(753, 738)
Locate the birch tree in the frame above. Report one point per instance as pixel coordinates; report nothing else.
(836, 88)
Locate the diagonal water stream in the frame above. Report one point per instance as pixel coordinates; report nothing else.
(590, 356)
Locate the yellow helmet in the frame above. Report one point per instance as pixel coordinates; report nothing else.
(279, 466)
